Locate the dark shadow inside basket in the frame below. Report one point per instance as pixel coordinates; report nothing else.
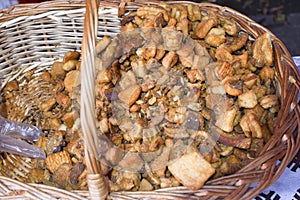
(33, 37)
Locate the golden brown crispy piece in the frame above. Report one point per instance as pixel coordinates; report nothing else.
(71, 55)
(145, 185)
(114, 155)
(215, 37)
(191, 169)
(251, 126)
(148, 52)
(169, 182)
(42, 142)
(247, 99)
(130, 26)
(238, 42)
(124, 180)
(229, 25)
(69, 118)
(131, 162)
(243, 59)
(72, 80)
(57, 71)
(104, 76)
(187, 61)
(76, 147)
(232, 85)
(46, 76)
(55, 144)
(223, 54)
(54, 123)
(225, 70)
(176, 115)
(268, 101)
(63, 100)
(194, 12)
(37, 175)
(130, 94)
(263, 51)
(195, 75)
(225, 120)
(54, 161)
(11, 86)
(250, 80)
(159, 54)
(170, 59)
(102, 44)
(267, 73)
(61, 175)
(203, 27)
(159, 164)
(230, 165)
(181, 15)
(70, 65)
(48, 105)
(150, 10)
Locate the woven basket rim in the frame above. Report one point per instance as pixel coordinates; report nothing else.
(29, 9)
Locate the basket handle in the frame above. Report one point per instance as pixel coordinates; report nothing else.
(96, 181)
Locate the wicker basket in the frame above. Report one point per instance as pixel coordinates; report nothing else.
(27, 46)
(33, 36)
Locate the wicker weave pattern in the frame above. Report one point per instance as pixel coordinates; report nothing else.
(41, 36)
(32, 37)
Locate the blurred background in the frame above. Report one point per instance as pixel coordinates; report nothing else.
(282, 17)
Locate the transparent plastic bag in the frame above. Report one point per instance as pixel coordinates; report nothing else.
(12, 132)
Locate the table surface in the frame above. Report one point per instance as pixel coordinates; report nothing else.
(287, 186)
